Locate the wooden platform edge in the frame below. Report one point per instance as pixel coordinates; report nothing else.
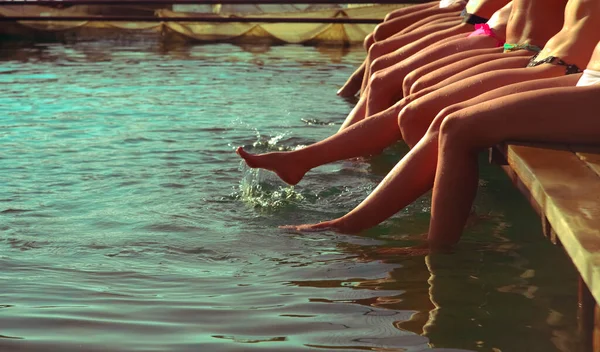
(554, 222)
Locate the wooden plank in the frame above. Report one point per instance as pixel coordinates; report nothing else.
(568, 192)
(590, 155)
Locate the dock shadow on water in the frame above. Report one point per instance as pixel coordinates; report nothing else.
(128, 224)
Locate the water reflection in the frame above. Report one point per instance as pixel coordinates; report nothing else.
(123, 219)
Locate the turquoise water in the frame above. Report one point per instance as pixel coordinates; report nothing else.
(128, 223)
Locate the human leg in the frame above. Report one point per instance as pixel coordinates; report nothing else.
(368, 137)
(412, 176)
(415, 118)
(385, 86)
(561, 115)
(410, 9)
(464, 47)
(393, 26)
(431, 74)
(394, 43)
(354, 82)
(433, 19)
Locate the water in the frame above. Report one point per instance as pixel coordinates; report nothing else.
(127, 222)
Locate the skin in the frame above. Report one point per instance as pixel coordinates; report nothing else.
(395, 22)
(457, 50)
(537, 116)
(291, 166)
(536, 28)
(386, 86)
(574, 43)
(415, 173)
(391, 54)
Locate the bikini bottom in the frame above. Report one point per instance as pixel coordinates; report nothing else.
(514, 47)
(483, 29)
(589, 77)
(553, 60)
(448, 3)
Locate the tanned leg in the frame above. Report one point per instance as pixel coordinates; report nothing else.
(415, 118)
(368, 137)
(433, 19)
(394, 22)
(394, 43)
(392, 26)
(459, 49)
(539, 115)
(386, 85)
(354, 82)
(409, 179)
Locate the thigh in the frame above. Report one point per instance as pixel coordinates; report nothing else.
(394, 43)
(452, 16)
(438, 70)
(395, 25)
(554, 115)
(429, 105)
(521, 87)
(430, 75)
(463, 45)
(410, 49)
(502, 61)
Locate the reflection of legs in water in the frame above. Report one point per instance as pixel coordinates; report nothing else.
(414, 174)
(534, 116)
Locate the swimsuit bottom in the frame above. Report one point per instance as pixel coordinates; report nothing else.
(483, 29)
(471, 18)
(514, 47)
(588, 78)
(553, 60)
(448, 3)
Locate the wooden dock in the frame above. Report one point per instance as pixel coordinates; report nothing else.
(562, 182)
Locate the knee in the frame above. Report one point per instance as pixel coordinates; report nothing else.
(408, 82)
(377, 82)
(454, 132)
(417, 85)
(411, 129)
(378, 32)
(369, 40)
(380, 64)
(389, 16)
(376, 51)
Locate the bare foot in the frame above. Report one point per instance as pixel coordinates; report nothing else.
(289, 171)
